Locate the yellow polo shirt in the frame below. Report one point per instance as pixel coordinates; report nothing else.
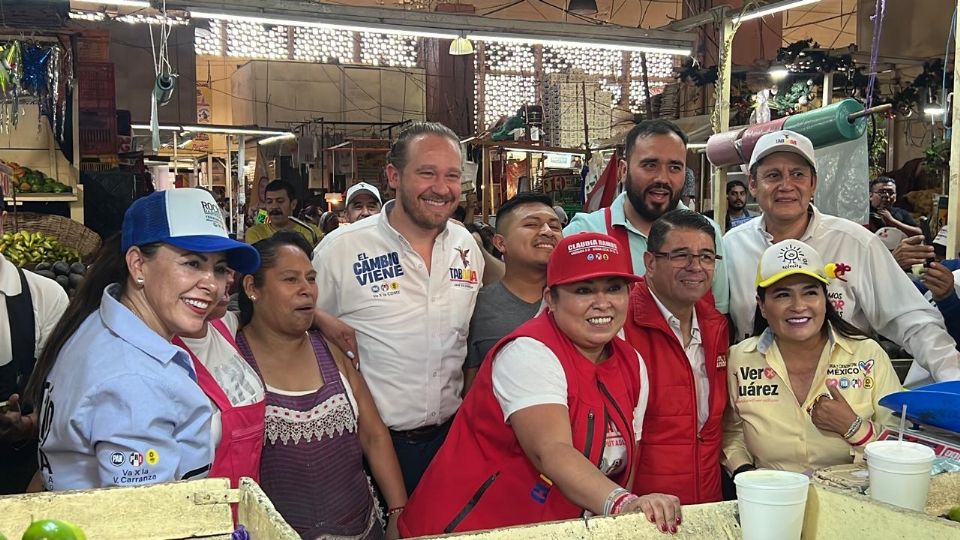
(262, 231)
(766, 426)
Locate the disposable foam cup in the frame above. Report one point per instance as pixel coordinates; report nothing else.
(771, 504)
(899, 473)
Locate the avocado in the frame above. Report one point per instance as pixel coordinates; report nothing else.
(64, 281)
(43, 266)
(78, 268)
(61, 268)
(75, 280)
(45, 273)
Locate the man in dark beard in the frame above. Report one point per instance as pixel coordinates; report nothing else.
(653, 173)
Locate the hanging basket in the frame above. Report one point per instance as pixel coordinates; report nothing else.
(68, 232)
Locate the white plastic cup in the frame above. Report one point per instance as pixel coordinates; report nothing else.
(771, 504)
(899, 473)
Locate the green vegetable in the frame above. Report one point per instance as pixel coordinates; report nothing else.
(954, 513)
(51, 529)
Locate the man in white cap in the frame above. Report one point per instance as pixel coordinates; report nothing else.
(363, 200)
(870, 290)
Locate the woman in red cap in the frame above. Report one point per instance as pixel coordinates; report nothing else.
(549, 429)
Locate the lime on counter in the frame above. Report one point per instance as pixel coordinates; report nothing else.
(51, 529)
(954, 513)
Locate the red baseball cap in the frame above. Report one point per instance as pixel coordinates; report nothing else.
(588, 255)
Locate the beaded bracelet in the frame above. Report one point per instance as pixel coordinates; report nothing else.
(623, 501)
(854, 427)
(394, 511)
(612, 498)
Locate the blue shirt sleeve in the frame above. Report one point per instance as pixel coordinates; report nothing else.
(950, 309)
(141, 433)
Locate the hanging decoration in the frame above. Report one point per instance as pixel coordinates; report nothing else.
(166, 79)
(36, 69)
(34, 73)
(11, 60)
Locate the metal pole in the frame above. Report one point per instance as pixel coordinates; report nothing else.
(827, 89)
(953, 213)
(238, 222)
(721, 119)
(229, 179)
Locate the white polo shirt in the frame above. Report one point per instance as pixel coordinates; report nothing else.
(873, 292)
(411, 325)
(49, 302)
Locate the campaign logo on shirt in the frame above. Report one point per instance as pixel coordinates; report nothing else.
(386, 289)
(465, 277)
(370, 270)
(756, 384)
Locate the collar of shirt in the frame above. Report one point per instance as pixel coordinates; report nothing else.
(674, 323)
(9, 278)
(389, 232)
(618, 216)
(130, 328)
(812, 225)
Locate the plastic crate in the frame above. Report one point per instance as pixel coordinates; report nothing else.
(96, 87)
(98, 133)
(93, 46)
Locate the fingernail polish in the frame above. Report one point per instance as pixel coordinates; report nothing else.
(663, 528)
(673, 530)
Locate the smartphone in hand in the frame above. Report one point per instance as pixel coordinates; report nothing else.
(927, 236)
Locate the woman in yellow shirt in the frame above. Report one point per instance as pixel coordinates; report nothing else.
(804, 390)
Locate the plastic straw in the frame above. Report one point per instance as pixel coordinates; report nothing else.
(903, 421)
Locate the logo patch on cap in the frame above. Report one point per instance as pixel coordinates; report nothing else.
(211, 213)
(792, 257)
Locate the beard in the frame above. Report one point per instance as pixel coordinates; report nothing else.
(421, 216)
(649, 212)
(737, 205)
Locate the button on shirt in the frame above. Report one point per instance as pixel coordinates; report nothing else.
(411, 325)
(49, 303)
(121, 407)
(696, 357)
(596, 222)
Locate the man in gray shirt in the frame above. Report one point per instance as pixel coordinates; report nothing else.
(527, 231)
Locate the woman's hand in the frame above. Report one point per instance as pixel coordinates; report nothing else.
(13, 425)
(834, 415)
(662, 510)
(392, 532)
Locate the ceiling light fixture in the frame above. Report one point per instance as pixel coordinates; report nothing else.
(461, 46)
(533, 40)
(778, 71)
(770, 9)
(405, 31)
(124, 3)
(276, 139)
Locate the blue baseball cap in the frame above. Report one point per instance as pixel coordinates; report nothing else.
(189, 219)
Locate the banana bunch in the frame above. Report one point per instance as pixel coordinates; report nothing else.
(25, 248)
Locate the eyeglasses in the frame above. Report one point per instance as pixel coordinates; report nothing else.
(683, 259)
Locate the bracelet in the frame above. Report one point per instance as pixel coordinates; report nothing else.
(394, 511)
(612, 499)
(854, 427)
(623, 501)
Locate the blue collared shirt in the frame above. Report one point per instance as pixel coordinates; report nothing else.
(595, 222)
(121, 407)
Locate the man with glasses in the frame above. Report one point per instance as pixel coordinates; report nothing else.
(683, 340)
(868, 288)
(883, 193)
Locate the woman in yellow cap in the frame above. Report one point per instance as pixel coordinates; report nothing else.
(804, 390)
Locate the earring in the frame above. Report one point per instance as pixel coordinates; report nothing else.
(253, 298)
(140, 282)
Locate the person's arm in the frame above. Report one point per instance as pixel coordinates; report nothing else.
(339, 332)
(135, 425)
(578, 223)
(890, 221)
(376, 442)
(895, 309)
(15, 426)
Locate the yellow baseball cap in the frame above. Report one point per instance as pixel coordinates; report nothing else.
(788, 258)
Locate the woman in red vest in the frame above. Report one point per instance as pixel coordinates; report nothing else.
(548, 430)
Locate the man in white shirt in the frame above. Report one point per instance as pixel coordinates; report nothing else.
(30, 308)
(683, 339)
(407, 280)
(868, 289)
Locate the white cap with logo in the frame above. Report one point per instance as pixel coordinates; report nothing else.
(783, 141)
(362, 187)
(787, 258)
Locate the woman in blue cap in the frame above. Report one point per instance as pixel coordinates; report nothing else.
(120, 403)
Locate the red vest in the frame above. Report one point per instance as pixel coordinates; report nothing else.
(673, 458)
(481, 478)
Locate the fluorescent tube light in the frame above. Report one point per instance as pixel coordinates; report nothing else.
(277, 138)
(403, 31)
(770, 9)
(124, 3)
(231, 131)
(146, 127)
(934, 111)
(533, 40)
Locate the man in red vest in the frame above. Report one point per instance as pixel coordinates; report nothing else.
(683, 339)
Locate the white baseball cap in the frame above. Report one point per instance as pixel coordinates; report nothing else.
(361, 187)
(788, 258)
(783, 141)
